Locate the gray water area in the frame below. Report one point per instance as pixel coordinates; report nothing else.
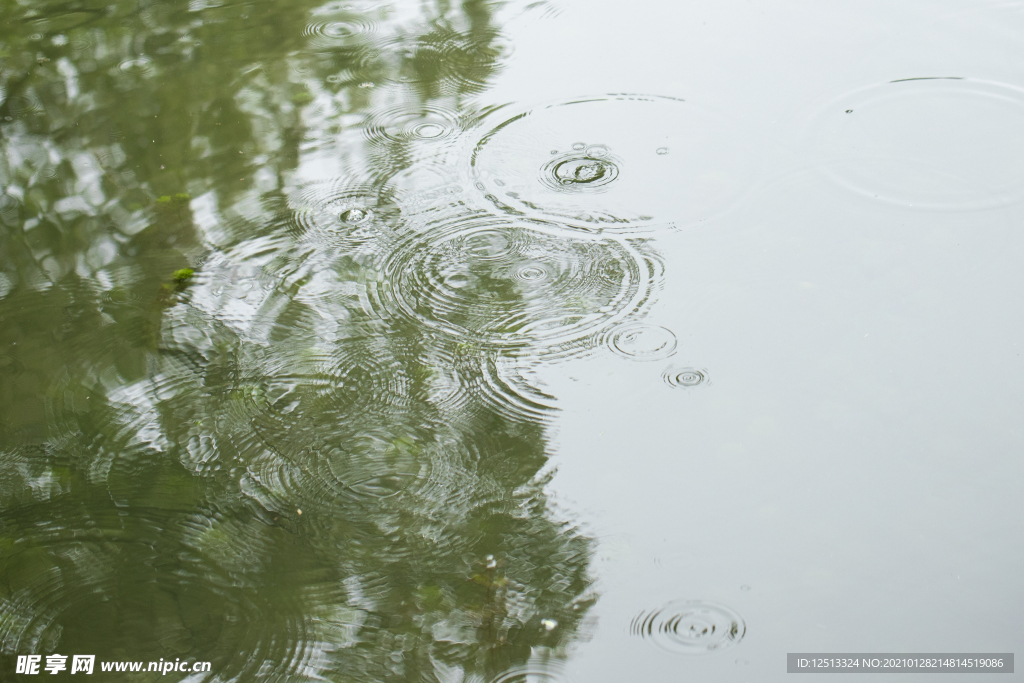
(525, 342)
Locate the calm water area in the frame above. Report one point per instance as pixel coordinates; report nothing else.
(554, 341)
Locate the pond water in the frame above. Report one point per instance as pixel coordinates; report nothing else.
(550, 341)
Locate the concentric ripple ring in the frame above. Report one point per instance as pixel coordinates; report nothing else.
(599, 163)
(498, 283)
(690, 627)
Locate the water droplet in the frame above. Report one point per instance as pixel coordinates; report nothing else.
(580, 173)
(662, 151)
(354, 215)
(345, 213)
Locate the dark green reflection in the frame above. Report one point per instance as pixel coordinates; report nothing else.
(209, 449)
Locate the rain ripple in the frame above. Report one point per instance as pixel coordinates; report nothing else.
(501, 284)
(402, 125)
(95, 563)
(334, 470)
(925, 142)
(600, 163)
(690, 627)
(339, 32)
(355, 216)
(141, 66)
(447, 61)
(685, 377)
(639, 341)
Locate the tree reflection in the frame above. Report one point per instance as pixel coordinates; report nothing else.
(243, 466)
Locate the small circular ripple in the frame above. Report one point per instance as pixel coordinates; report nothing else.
(639, 341)
(354, 216)
(499, 284)
(404, 125)
(531, 674)
(600, 163)
(20, 105)
(142, 66)
(580, 172)
(121, 296)
(337, 31)
(685, 377)
(450, 62)
(690, 627)
(81, 42)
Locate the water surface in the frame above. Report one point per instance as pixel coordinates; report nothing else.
(552, 341)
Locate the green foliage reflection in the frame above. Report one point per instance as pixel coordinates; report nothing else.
(198, 457)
